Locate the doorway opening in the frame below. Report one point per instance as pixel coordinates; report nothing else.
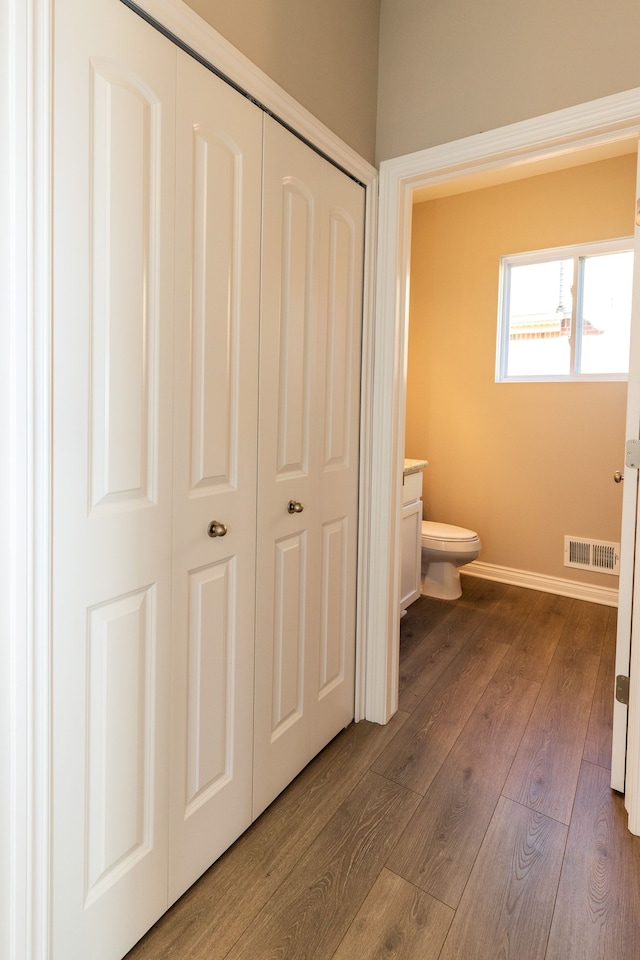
(502, 456)
(557, 139)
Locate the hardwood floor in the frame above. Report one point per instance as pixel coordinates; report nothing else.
(478, 824)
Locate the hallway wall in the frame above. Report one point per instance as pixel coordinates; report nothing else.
(324, 55)
(455, 68)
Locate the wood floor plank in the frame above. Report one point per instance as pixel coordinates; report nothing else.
(535, 643)
(426, 662)
(206, 922)
(511, 612)
(597, 748)
(480, 593)
(597, 912)
(319, 899)
(416, 754)
(507, 906)
(585, 629)
(396, 922)
(420, 619)
(441, 842)
(436, 631)
(545, 771)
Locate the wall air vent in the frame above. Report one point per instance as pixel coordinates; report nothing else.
(598, 555)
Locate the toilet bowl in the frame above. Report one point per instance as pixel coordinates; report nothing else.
(445, 548)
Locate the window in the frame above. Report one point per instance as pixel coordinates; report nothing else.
(565, 314)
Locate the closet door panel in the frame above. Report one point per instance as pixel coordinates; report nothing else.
(287, 460)
(341, 269)
(218, 206)
(308, 457)
(112, 315)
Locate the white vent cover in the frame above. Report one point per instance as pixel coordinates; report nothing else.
(597, 555)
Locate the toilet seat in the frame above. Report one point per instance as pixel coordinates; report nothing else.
(432, 530)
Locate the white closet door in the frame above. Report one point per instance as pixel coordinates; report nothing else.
(308, 458)
(341, 264)
(113, 302)
(218, 210)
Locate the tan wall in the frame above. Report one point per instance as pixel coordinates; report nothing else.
(455, 68)
(521, 463)
(325, 55)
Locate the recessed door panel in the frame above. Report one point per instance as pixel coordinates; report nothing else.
(210, 722)
(287, 692)
(217, 273)
(120, 695)
(295, 327)
(342, 299)
(125, 298)
(333, 600)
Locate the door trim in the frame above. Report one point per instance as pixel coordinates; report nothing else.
(25, 484)
(562, 133)
(26, 365)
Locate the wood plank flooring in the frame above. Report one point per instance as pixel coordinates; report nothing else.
(478, 824)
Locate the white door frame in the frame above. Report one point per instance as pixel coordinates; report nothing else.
(25, 488)
(565, 132)
(26, 371)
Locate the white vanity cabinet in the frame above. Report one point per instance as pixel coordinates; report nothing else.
(411, 533)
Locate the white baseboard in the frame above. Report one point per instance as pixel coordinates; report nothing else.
(608, 596)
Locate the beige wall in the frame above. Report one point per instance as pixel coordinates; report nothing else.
(521, 463)
(325, 55)
(455, 68)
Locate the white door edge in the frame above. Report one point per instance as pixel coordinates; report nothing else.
(626, 629)
(564, 132)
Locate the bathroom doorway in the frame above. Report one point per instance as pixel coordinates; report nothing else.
(503, 455)
(557, 140)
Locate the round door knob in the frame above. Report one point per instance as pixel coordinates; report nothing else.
(618, 477)
(294, 506)
(216, 529)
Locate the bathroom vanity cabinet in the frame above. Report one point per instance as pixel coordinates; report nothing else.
(411, 532)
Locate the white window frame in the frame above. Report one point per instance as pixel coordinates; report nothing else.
(573, 252)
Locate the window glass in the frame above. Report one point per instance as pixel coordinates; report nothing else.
(607, 282)
(566, 313)
(540, 319)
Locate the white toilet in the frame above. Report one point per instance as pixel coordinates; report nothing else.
(444, 549)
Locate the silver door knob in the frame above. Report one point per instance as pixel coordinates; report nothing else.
(618, 477)
(216, 529)
(294, 506)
